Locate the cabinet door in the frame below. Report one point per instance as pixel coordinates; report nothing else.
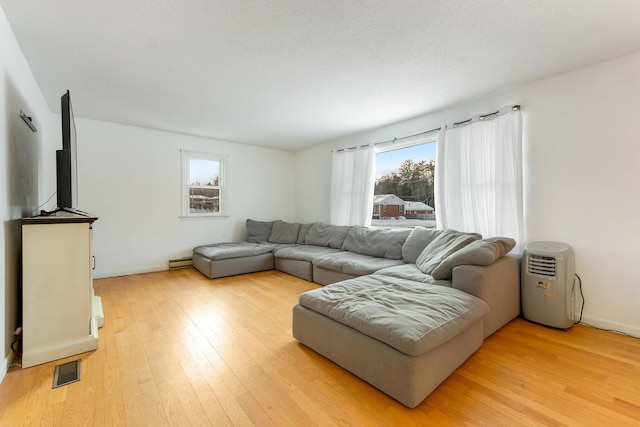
(56, 283)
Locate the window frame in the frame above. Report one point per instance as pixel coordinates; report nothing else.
(222, 159)
(407, 143)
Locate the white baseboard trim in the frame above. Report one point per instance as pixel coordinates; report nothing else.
(596, 322)
(127, 272)
(4, 368)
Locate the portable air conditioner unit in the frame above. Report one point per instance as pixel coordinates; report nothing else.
(547, 278)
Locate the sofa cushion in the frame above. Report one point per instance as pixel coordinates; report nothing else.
(447, 242)
(411, 317)
(353, 263)
(258, 231)
(304, 229)
(303, 252)
(220, 251)
(419, 238)
(284, 232)
(382, 243)
(480, 252)
(331, 236)
(412, 272)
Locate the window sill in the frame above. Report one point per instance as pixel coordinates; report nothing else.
(202, 217)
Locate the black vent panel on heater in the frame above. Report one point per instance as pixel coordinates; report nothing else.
(541, 265)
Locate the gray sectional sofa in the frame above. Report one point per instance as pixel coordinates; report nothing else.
(401, 308)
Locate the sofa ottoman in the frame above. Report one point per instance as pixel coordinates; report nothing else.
(401, 336)
(228, 259)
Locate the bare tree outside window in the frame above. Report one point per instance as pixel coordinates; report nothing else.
(204, 184)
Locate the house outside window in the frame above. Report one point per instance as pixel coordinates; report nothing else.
(203, 184)
(405, 183)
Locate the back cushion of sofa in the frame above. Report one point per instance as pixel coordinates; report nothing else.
(304, 229)
(327, 235)
(447, 243)
(284, 232)
(419, 238)
(480, 252)
(258, 231)
(381, 243)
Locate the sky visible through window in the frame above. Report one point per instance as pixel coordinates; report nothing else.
(203, 171)
(390, 161)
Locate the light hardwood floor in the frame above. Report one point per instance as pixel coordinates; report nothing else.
(180, 349)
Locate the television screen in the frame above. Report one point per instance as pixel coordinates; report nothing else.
(66, 159)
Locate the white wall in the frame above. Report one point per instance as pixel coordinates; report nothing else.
(20, 161)
(131, 179)
(581, 153)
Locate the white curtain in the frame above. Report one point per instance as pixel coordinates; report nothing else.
(478, 182)
(352, 182)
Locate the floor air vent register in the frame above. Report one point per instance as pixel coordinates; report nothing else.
(67, 373)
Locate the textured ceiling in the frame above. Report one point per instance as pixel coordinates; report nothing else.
(293, 73)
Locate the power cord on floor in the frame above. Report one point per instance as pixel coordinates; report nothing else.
(581, 297)
(589, 324)
(610, 330)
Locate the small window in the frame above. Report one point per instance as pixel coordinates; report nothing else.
(203, 186)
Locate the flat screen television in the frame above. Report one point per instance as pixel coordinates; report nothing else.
(67, 160)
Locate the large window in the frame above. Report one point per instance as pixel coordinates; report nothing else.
(203, 186)
(405, 182)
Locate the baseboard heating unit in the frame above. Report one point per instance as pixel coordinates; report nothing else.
(180, 263)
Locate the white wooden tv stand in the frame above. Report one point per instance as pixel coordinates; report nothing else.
(60, 312)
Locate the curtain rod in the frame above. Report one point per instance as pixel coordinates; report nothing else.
(455, 124)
